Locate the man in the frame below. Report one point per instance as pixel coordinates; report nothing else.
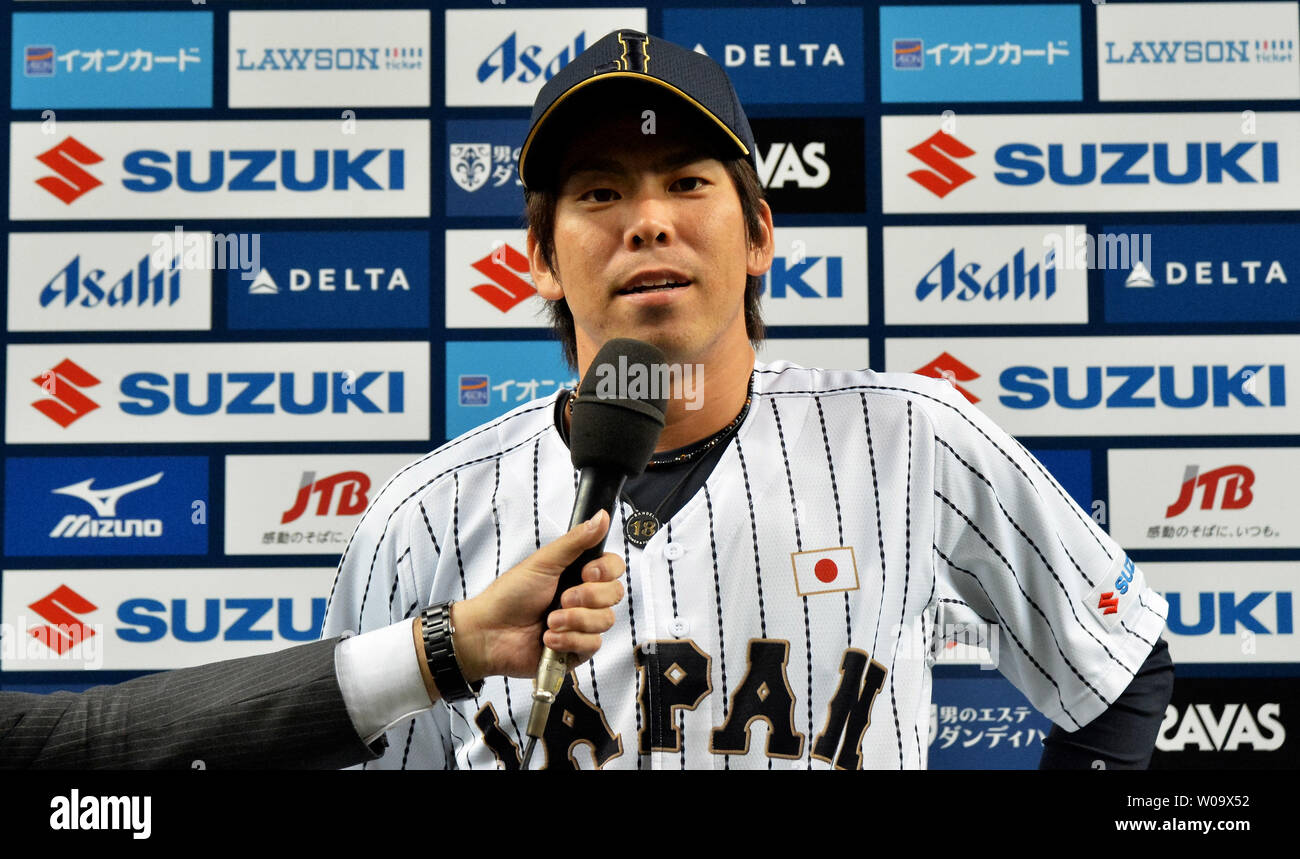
(319, 705)
(801, 540)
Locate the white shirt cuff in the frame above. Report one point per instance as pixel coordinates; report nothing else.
(380, 678)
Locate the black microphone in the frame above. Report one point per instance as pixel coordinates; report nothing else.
(611, 438)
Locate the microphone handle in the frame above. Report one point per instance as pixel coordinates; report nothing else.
(598, 489)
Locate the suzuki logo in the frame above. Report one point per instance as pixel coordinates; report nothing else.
(507, 288)
(353, 486)
(58, 607)
(63, 383)
(952, 371)
(64, 159)
(104, 501)
(937, 152)
(1109, 602)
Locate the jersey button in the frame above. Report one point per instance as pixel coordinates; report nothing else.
(673, 551)
(679, 627)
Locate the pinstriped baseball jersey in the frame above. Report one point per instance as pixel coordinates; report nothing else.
(787, 616)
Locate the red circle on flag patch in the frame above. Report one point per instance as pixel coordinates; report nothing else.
(826, 571)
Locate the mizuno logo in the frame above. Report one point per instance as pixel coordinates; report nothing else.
(64, 160)
(104, 501)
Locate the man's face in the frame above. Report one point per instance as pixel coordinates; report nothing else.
(650, 240)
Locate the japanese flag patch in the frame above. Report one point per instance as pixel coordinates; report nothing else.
(1116, 593)
(824, 571)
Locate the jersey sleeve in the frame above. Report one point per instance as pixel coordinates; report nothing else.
(375, 586)
(1069, 617)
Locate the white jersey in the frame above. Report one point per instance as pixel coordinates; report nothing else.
(789, 613)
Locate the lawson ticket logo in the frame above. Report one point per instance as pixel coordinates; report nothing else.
(328, 280)
(485, 379)
(111, 59)
(1209, 273)
(980, 53)
(779, 56)
(106, 506)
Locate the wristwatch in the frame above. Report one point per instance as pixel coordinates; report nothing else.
(440, 654)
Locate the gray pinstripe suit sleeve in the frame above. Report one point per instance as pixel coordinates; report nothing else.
(279, 710)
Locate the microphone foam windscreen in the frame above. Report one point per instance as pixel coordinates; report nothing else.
(619, 412)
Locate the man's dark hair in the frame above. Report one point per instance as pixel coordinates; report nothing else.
(539, 209)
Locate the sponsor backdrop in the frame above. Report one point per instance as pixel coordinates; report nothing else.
(244, 289)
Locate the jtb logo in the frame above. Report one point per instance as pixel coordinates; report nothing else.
(503, 267)
(1232, 611)
(61, 607)
(1212, 385)
(944, 175)
(338, 169)
(1237, 480)
(352, 485)
(63, 382)
(952, 371)
(147, 620)
(335, 391)
(1012, 279)
(142, 285)
(64, 160)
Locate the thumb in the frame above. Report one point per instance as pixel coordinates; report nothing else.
(564, 550)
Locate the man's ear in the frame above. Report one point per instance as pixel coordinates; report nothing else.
(760, 255)
(544, 278)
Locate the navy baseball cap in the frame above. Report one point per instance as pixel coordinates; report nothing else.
(620, 61)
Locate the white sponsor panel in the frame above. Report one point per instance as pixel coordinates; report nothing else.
(983, 276)
(1205, 498)
(138, 620)
(1203, 52)
(838, 353)
(818, 277)
(344, 58)
(344, 168)
(194, 392)
(1094, 386)
(1145, 162)
(1238, 612)
(304, 504)
(488, 284)
(106, 282)
(503, 57)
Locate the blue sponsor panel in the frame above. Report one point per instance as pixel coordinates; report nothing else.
(111, 59)
(983, 723)
(1073, 470)
(486, 379)
(1204, 273)
(482, 175)
(333, 280)
(980, 53)
(106, 506)
(779, 56)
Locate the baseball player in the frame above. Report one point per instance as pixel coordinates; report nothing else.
(802, 543)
